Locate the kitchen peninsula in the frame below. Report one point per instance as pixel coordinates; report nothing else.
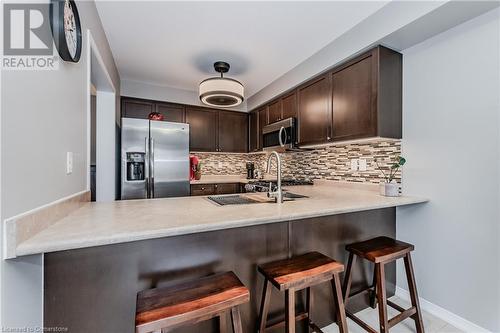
(146, 243)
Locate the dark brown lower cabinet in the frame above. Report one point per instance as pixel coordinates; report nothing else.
(202, 189)
(212, 189)
(225, 188)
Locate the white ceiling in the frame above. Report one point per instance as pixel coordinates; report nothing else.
(175, 43)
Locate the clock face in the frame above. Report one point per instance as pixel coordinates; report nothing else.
(70, 32)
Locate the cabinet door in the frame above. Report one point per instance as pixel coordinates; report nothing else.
(253, 124)
(132, 108)
(225, 188)
(202, 129)
(314, 100)
(233, 132)
(262, 122)
(289, 105)
(353, 101)
(171, 112)
(274, 112)
(202, 189)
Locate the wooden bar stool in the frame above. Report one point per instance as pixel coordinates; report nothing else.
(161, 309)
(381, 251)
(296, 273)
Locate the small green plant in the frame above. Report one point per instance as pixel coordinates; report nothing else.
(397, 163)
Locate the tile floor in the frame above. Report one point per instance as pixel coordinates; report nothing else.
(432, 324)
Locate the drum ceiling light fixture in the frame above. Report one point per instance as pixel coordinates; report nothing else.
(221, 91)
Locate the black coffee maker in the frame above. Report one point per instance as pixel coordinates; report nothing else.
(250, 170)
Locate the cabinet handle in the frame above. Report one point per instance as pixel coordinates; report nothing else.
(328, 138)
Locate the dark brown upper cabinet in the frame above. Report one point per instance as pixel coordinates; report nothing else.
(135, 108)
(202, 129)
(274, 111)
(263, 121)
(366, 96)
(314, 111)
(289, 105)
(232, 132)
(171, 112)
(253, 129)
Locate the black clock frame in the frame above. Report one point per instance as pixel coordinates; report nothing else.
(57, 27)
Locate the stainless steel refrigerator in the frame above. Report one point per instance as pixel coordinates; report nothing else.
(155, 159)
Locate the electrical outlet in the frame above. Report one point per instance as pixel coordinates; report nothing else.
(354, 164)
(362, 164)
(69, 163)
(219, 165)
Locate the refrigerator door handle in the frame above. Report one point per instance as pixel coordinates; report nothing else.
(152, 167)
(146, 167)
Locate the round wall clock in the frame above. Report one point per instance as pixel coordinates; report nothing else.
(66, 29)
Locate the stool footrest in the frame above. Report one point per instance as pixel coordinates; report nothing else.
(395, 306)
(299, 317)
(361, 323)
(402, 316)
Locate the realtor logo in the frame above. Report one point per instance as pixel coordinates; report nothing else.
(27, 37)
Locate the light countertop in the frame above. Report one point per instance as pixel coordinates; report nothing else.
(96, 224)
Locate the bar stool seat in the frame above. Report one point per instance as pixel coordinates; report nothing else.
(296, 273)
(381, 251)
(191, 302)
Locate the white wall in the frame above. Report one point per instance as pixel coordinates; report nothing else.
(43, 117)
(106, 147)
(451, 139)
(145, 90)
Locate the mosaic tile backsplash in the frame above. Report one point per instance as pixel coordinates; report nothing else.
(330, 162)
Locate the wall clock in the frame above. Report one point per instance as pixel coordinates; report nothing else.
(66, 29)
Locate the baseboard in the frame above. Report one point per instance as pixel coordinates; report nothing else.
(449, 317)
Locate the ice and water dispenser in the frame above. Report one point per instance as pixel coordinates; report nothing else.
(135, 166)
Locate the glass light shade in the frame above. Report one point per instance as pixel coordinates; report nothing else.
(221, 92)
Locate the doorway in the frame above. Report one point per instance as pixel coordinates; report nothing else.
(102, 171)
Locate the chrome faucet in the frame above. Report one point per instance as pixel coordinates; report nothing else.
(278, 194)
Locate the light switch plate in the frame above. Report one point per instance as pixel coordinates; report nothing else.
(354, 164)
(362, 164)
(69, 163)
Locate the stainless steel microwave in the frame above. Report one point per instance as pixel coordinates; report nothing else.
(280, 136)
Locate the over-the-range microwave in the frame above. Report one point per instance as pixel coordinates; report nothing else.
(280, 136)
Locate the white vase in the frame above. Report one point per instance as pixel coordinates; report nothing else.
(389, 189)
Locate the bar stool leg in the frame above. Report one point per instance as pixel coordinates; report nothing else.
(290, 311)
(222, 323)
(410, 276)
(309, 306)
(382, 298)
(346, 288)
(264, 305)
(339, 304)
(373, 293)
(236, 320)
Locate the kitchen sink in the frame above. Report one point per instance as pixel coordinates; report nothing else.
(291, 195)
(237, 199)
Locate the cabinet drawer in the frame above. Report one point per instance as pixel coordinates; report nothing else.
(202, 189)
(227, 188)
